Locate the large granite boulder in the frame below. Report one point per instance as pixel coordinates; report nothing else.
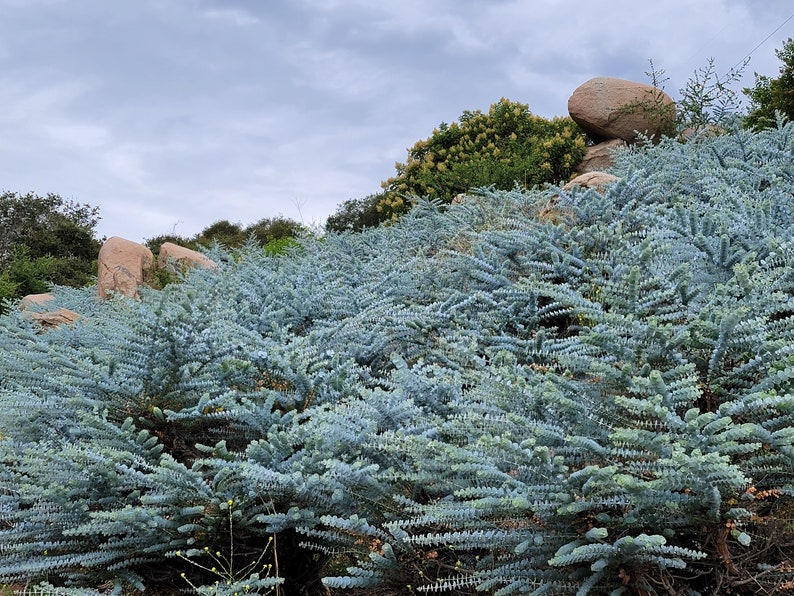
(123, 266)
(611, 108)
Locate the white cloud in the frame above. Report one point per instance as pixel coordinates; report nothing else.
(30, 100)
(76, 135)
(233, 16)
(339, 72)
(124, 164)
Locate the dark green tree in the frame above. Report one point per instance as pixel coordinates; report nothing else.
(356, 214)
(273, 229)
(772, 95)
(156, 242)
(224, 232)
(45, 240)
(272, 233)
(47, 225)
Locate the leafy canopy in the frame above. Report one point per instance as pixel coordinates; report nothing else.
(274, 233)
(45, 240)
(508, 146)
(356, 214)
(46, 225)
(771, 95)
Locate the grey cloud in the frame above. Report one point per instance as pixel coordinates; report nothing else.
(184, 112)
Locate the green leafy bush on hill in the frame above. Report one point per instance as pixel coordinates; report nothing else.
(770, 95)
(273, 233)
(353, 215)
(44, 241)
(505, 147)
(510, 146)
(475, 399)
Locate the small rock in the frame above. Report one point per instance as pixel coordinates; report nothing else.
(597, 180)
(55, 318)
(34, 300)
(52, 318)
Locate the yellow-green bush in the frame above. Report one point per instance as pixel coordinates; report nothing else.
(507, 146)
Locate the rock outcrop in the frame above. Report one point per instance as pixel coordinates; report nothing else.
(610, 108)
(50, 318)
(123, 266)
(35, 301)
(183, 258)
(599, 157)
(596, 180)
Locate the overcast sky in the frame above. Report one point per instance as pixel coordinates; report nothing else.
(170, 115)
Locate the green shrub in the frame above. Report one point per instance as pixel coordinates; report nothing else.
(770, 96)
(45, 241)
(279, 246)
(48, 225)
(273, 231)
(707, 103)
(224, 232)
(356, 214)
(156, 242)
(8, 289)
(27, 275)
(506, 147)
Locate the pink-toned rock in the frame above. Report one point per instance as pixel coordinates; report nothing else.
(123, 266)
(55, 318)
(596, 180)
(183, 257)
(611, 108)
(599, 157)
(34, 300)
(52, 318)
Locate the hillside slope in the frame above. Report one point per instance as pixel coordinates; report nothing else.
(529, 391)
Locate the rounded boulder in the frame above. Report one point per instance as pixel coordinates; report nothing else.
(611, 108)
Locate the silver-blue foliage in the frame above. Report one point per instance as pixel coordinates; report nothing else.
(483, 397)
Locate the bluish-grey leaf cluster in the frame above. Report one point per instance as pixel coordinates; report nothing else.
(534, 391)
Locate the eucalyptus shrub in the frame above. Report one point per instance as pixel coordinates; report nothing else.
(476, 399)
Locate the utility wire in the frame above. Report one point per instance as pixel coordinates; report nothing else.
(735, 66)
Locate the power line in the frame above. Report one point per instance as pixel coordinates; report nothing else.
(762, 42)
